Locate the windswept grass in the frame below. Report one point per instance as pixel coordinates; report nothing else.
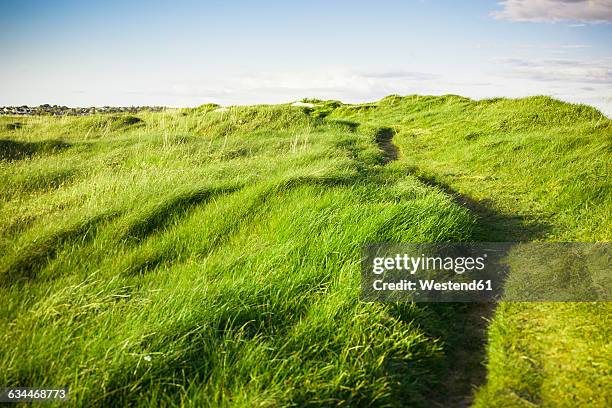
(208, 257)
(532, 169)
(212, 258)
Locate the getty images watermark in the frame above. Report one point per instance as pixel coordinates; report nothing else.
(487, 272)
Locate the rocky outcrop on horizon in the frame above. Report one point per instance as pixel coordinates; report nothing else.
(56, 110)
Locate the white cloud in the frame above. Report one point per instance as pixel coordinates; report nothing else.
(554, 46)
(331, 83)
(570, 80)
(584, 11)
(560, 70)
(567, 79)
(397, 74)
(574, 46)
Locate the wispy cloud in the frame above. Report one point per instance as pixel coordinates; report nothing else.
(574, 46)
(398, 74)
(278, 86)
(554, 46)
(358, 80)
(583, 11)
(560, 70)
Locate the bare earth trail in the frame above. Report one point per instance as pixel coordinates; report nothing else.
(384, 139)
(466, 356)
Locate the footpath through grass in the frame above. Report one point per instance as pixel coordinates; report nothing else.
(532, 169)
(206, 258)
(211, 258)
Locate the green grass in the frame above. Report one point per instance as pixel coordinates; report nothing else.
(211, 258)
(532, 169)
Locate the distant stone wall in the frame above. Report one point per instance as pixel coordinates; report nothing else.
(56, 110)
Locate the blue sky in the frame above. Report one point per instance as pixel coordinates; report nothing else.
(185, 53)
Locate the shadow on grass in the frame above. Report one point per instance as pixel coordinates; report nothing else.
(159, 216)
(12, 150)
(36, 255)
(492, 226)
(13, 126)
(384, 140)
(466, 334)
(460, 326)
(171, 211)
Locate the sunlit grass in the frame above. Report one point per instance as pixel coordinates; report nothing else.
(532, 169)
(211, 258)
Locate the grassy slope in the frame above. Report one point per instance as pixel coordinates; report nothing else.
(224, 247)
(211, 258)
(532, 169)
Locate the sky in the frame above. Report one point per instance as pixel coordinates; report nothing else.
(187, 53)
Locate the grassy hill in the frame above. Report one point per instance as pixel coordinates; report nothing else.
(532, 169)
(211, 257)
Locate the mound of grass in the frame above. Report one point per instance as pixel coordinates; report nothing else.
(212, 258)
(16, 150)
(531, 169)
(208, 257)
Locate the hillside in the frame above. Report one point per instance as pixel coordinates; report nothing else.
(211, 256)
(532, 169)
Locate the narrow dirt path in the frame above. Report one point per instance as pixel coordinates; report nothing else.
(384, 140)
(467, 357)
(466, 346)
(465, 354)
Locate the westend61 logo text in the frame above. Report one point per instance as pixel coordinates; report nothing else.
(486, 271)
(404, 263)
(413, 264)
(429, 272)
